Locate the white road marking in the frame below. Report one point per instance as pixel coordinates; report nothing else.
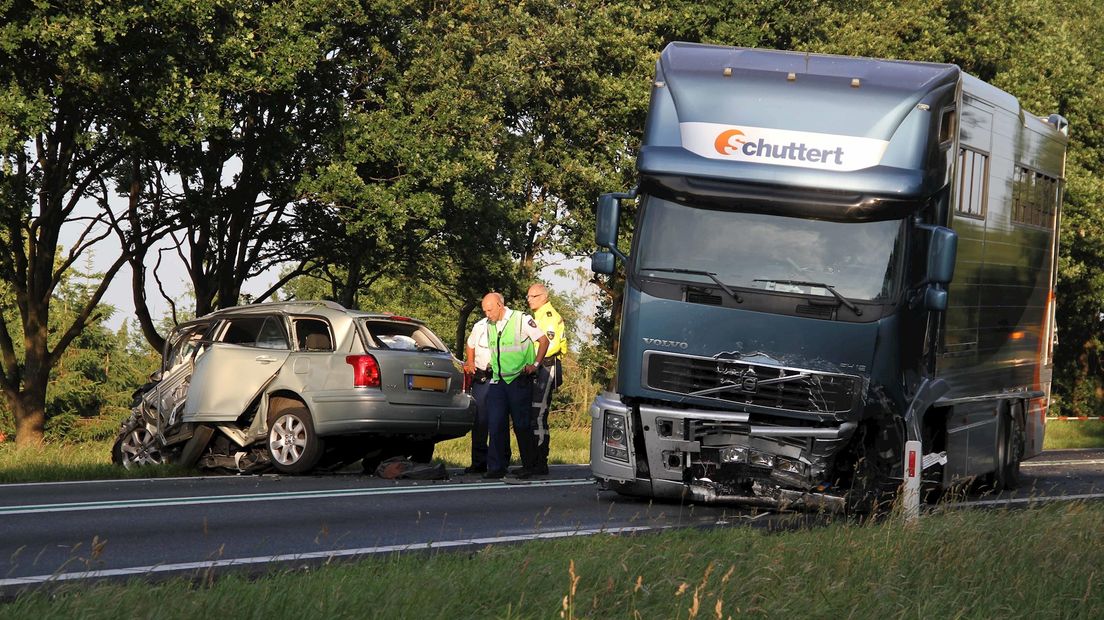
(1053, 463)
(179, 478)
(267, 497)
(1020, 501)
(317, 555)
(112, 480)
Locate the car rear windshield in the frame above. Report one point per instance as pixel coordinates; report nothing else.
(401, 336)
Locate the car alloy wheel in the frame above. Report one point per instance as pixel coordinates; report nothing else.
(292, 444)
(138, 448)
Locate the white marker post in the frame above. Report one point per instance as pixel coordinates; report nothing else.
(910, 494)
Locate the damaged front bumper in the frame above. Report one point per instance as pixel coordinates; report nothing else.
(714, 456)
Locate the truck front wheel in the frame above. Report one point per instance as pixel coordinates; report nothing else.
(1011, 447)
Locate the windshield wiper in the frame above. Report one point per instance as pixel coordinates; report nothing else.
(843, 300)
(698, 272)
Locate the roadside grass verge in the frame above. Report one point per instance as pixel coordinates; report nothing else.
(567, 445)
(92, 460)
(71, 461)
(1064, 434)
(1042, 562)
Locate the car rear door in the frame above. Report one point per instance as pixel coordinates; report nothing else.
(415, 366)
(247, 353)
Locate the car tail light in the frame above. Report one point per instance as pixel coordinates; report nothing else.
(366, 372)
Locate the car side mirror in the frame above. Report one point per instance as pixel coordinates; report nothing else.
(602, 262)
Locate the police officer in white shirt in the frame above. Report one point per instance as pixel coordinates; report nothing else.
(477, 358)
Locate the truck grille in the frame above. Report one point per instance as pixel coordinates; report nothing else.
(751, 384)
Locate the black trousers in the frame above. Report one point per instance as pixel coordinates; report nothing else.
(506, 403)
(547, 380)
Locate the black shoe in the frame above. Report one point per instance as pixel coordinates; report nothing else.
(476, 469)
(494, 475)
(541, 470)
(523, 474)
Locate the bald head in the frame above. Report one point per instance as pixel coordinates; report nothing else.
(537, 296)
(494, 306)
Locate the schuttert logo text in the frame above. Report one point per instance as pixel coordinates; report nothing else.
(733, 140)
(781, 147)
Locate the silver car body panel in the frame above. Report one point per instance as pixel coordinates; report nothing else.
(230, 379)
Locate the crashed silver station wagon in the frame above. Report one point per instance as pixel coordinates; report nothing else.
(292, 385)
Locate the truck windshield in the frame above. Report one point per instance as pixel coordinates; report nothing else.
(860, 260)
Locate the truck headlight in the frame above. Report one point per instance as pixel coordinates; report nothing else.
(613, 434)
(790, 466)
(736, 454)
(762, 459)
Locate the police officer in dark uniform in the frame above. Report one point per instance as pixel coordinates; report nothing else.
(550, 375)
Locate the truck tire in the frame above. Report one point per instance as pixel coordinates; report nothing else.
(1011, 449)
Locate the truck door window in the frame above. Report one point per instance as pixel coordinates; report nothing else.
(973, 178)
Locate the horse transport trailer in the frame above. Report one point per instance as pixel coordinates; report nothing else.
(831, 256)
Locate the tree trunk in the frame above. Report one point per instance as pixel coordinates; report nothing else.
(615, 321)
(462, 327)
(30, 422)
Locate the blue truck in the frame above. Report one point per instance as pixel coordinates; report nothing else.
(831, 257)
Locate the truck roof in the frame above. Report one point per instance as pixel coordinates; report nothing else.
(860, 126)
(820, 97)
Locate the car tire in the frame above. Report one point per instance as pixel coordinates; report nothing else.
(136, 446)
(292, 444)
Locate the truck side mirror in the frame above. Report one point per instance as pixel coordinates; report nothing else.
(942, 252)
(602, 262)
(605, 234)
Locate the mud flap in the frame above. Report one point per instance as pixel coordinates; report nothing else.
(196, 445)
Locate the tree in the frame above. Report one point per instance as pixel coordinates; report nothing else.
(70, 97)
(257, 90)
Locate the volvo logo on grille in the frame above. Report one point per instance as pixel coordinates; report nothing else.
(673, 344)
(743, 379)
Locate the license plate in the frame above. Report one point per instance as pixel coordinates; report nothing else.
(430, 384)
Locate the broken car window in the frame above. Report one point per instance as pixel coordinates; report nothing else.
(402, 336)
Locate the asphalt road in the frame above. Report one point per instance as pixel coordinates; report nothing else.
(63, 531)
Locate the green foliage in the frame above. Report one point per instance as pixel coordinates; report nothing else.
(89, 392)
(411, 156)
